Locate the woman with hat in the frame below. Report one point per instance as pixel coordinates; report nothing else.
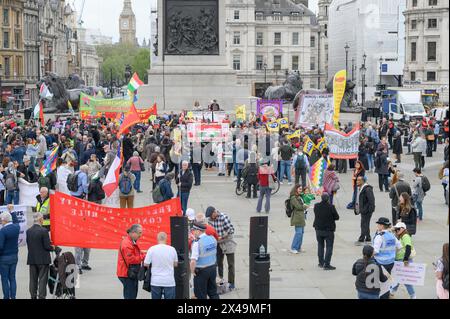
(362, 269)
(405, 255)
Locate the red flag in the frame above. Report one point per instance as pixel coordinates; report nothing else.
(144, 115)
(131, 119)
(41, 113)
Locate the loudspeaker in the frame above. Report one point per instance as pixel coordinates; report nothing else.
(179, 240)
(258, 233)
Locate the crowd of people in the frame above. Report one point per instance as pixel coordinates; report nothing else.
(258, 159)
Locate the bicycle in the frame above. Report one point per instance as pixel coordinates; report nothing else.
(243, 189)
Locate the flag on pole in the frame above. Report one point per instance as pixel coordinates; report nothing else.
(316, 173)
(130, 119)
(309, 146)
(112, 178)
(135, 83)
(45, 92)
(69, 105)
(50, 163)
(39, 112)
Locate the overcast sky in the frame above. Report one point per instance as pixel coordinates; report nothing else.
(104, 15)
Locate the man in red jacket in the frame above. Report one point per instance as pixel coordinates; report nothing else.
(129, 254)
(210, 231)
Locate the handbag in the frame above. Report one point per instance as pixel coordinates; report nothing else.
(135, 271)
(147, 286)
(141, 164)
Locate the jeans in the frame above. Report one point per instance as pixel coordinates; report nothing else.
(371, 161)
(184, 197)
(285, 170)
(383, 180)
(355, 194)
(230, 262)
(9, 285)
(82, 256)
(12, 197)
(168, 292)
(366, 295)
(137, 181)
(196, 169)
(264, 191)
(419, 208)
(298, 238)
(130, 288)
(325, 237)
(302, 175)
(239, 178)
(205, 283)
(417, 159)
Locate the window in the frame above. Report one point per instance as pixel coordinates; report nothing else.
(17, 18)
(431, 76)
(277, 38)
(236, 14)
(313, 42)
(6, 17)
(259, 62)
(431, 51)
(295, 62)
(414, 3)
(432, 23)
(277, 16)
(236, 62)
(295, 37)
(413, 51)
(6, 40)
(259, 16)
(295, 16)
(237, 38)
(413, 76)
(313, 63)
(432, 2)
(259, 38)
(277, 62)
(7, 67)
(17, 40)
(19, 66)
(326, 30)
(413, 24)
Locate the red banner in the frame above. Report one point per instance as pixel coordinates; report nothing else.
(78, 223)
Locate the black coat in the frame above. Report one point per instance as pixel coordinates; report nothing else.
(398, 146)
(410, 221)
(326, 216)
(252, 174)
(128, 148)
(399, 188)
(186, 180)
(95, 191)
(39, 248)
(366, 201)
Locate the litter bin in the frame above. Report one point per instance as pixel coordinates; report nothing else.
(259, 277)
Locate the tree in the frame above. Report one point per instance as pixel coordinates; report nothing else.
(116, 57)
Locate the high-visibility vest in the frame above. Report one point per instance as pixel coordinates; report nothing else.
(207, 252)
(44, 209)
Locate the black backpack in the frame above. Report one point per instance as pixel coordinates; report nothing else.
(288, 206)
(300, 164)
(445, 281)
(426, 186)
(72, 182)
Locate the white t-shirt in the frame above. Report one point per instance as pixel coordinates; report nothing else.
(162, 258)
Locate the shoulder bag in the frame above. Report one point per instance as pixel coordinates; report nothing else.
(135, 271)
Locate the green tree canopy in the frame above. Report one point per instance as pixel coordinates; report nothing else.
(117, 56)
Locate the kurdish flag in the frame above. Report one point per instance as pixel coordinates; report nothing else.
(135, 83)
(39, 112)
(50, 163)
(316, 173)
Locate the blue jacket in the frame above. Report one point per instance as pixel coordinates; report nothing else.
(82, 184)
(9, 243)
(18, 154)
(166, 189)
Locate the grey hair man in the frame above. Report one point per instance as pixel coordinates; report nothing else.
(39, 260)
(163, 258)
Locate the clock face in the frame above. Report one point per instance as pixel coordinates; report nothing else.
(125, 24)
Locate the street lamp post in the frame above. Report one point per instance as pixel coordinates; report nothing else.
(347, 48)
(265, 73)
(363, 71)
(353, 69)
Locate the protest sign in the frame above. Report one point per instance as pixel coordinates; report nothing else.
(342, 145)
(413, 274)
(273, 127)
(19, 212)
(315, 109)
(284, 122)
(339, 85)
(93, 107)
(78, 223)
(309, 146)
(241, 112)
(269, 109)
(203, 132)
(28, 193)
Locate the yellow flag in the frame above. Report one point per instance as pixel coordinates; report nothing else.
(241, 112)
(339, 85)
(273, 127)
(190, 115)
(284, 122)
(296, 134)
(309, 146)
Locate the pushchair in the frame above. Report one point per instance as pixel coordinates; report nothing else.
(63, 275)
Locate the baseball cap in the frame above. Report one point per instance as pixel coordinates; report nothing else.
(400, 225)
(384, 221)
(199, 226)
(209, 211)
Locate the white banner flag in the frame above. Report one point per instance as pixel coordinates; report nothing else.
(19, 214)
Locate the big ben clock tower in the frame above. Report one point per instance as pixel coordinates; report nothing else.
(127, 24)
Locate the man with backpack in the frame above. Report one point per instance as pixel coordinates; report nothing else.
(301, 167)
(420, 186)
(126, 190)
(12, 183)
(77, 183)
(165, 187)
